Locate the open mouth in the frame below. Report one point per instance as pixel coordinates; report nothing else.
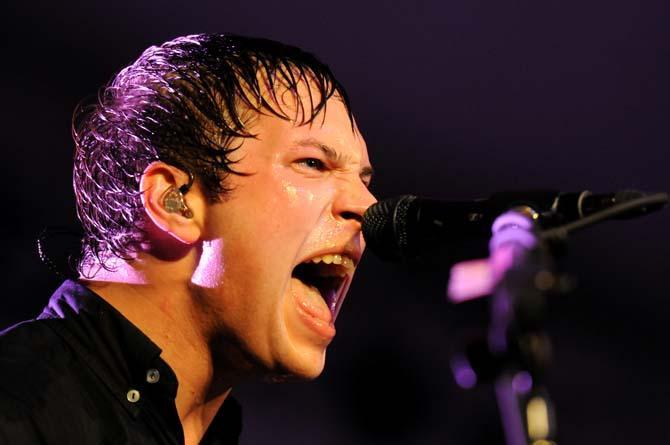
(326, 274)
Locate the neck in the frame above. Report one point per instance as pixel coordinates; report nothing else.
(163, 305)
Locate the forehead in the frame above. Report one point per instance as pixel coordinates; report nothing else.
(332, 127)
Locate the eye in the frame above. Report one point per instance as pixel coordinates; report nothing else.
(313, 163)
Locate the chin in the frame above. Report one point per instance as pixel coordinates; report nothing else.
(297, 348)
(310, 373)
(307, 365)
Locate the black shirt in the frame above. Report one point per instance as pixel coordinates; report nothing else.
(82, 373)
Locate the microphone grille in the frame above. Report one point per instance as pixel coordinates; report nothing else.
(384, 226)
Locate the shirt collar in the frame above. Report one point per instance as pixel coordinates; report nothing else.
(122, 355)
(96, 326)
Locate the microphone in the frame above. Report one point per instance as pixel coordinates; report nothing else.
(410, 228)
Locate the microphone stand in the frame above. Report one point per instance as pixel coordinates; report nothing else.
(518, 345)
(519, 276)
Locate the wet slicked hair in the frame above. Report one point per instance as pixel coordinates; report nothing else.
(184, 102)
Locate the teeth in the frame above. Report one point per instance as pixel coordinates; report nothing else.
(341, 260)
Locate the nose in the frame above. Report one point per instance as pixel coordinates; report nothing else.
(352, 202)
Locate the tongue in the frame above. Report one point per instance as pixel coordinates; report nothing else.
(311, 301)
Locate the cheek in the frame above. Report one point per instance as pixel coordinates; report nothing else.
(302, 205)
(295, 195)
(309, 206)
(327, 235)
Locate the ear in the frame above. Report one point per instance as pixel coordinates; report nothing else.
(159, 178)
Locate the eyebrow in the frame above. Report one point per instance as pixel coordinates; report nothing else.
(333, 155)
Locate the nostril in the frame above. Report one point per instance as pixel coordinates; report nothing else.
(352, 215)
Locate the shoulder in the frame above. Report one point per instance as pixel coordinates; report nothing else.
(27, 349)
(32, 358)
(31, 355)
(26, 336)
(46, 390)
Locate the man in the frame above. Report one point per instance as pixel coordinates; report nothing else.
(221, 183)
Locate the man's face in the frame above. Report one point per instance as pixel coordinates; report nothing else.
(268, 269)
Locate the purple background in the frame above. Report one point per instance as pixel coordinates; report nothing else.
(457, 100)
